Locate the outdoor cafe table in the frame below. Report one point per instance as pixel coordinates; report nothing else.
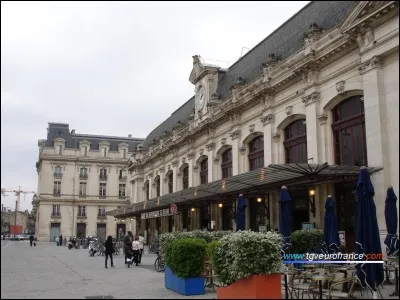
(321, 278)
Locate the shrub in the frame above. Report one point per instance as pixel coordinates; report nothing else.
(307, 240)
(244, 253)
(212, 248)
(185, 257)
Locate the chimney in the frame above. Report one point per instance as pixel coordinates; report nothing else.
(130, 135)
(73, 131)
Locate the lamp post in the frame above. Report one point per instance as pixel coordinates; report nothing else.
(312, 201)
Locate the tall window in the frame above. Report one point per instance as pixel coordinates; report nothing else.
(57, 171)
(121, 192)
(123, 153)
(85, 149)
(101, 212)
(256, 153)
(57, 188)
(204, 171)
(81, 211)
(226, 164)
(105, 152)
(82, 189)
(349, 132)
(170, 183)
(157, 183)
(56, 210)
(59, 149)
(83, 173)
(185, 177)
(103, 189)
(103, 174)
(296, 142)
(147, 189)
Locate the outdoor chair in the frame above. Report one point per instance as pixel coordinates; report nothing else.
(337, 279)
(303, 286)
(336, 289)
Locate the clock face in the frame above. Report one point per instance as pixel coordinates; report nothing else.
(200, 97)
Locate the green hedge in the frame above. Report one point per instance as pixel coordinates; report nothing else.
(307, 240)
(244, 253)
(185, 257)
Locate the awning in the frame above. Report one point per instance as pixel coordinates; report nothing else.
(257, 181)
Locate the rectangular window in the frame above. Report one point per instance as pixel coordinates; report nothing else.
(101, 212)
(81, 211)
(83, 173)
(85, 151)
(59, 149)
(105, 152)
(121, 190)
(170, 183)
(57, 188)
(124, 153)
(103, 174)
(102, 191)
(57, 172)
(56, 210)
(82, 189)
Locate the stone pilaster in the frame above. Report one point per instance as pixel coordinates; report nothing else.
(268, 122)
(311, 102)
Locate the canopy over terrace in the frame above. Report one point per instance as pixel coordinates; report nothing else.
(253, 182)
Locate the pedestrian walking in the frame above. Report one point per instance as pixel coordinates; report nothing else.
(109, 250)
(31, 239)
(128, 239)
(136, 251)
(141, 247)
(60, 240)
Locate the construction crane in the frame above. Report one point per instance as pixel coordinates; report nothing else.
(18, 194)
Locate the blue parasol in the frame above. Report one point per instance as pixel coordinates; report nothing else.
(331, 234)
(285, 218)
(241, 213)
(391, 240)
(367, 233)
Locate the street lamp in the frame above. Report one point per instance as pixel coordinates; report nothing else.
(312, 201)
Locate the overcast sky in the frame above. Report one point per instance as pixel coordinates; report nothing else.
(111, 68)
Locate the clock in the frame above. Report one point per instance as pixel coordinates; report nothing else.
(200, 97)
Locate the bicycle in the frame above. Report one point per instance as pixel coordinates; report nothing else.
(159, 263)
(153, 247)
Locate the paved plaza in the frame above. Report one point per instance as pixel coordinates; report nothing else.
(48, 271)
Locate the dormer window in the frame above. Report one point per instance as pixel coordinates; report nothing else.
(104, 148)
(59, 145)
(123, 149)
(105, 152)
(59, 149)
(123, 153)
(85, 147)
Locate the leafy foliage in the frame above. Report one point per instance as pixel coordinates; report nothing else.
(185, 256)
(244, 253)
(307, 240)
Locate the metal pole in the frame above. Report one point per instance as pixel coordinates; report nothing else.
(15, 213)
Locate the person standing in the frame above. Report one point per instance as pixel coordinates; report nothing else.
(136, 251)
(60, 240)
(31, 239)
(128, 239)
(109, 250)
(141, 247)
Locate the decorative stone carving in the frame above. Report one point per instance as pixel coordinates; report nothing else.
(198, 68)
(242, 150)
(161, 170)
(183, 160)
(276, 137)
(223, 141)
(165, 179)
(216, 160)
(179, 174)
(190, 155)
(289, 110)
(195, 168)
(310, 77)
(210, 146)
(251, 127)
(201, 152)
(311, 98)
(268, 119)
(174, 163)
(371, 64)
(311, 35)
(365, 40)
(168, 167)
(340, 87)
(323, 119)
(191, 120)
(234, 134)
(239, 82)
(153, 184)
(268, 67)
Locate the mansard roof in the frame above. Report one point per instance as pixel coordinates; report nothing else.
(283, 42)
(61, 130)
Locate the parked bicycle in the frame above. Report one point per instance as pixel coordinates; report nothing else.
(159, 263)
(154, 246)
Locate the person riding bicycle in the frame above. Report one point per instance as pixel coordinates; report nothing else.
(128, 239)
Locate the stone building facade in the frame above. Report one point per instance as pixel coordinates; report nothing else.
(322, 92)
(80, 177)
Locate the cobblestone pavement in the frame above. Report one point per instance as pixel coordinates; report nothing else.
(48, 271)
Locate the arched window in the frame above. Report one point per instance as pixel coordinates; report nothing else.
(256, 153)
(185, 177)
(296, 142)
(147, 189)
(226, 164)
(157, 183)
(170, 182)
(204, 171)
(349, 132)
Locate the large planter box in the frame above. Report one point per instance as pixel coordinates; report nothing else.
(187, 287)
(253, 287)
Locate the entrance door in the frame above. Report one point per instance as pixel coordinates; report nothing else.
(227, 216)
(253, 214)
(171, 224)
(300, 198)
(204, 217)
(101, 231)
(54, 231)
(346, 212)
(185, 219)
(120, 231)
(81, 230)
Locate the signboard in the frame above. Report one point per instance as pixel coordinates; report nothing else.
(307, 225)
(173, 209)
(262, 228)
(342, 237)
(159, 213)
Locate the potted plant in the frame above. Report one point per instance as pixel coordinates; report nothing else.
(248, 264)
(184, 260)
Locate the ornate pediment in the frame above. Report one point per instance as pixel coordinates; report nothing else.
(84, 143)
(366, 11)
(198, 68)
(123, 145)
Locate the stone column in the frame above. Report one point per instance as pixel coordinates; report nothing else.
(211, 162)
(162, 183)
(174, 176)
(375, 132)
(311, 102)
(151, 186)
(235, 136)
(190, 171)
(267, 121)
(323, 127)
